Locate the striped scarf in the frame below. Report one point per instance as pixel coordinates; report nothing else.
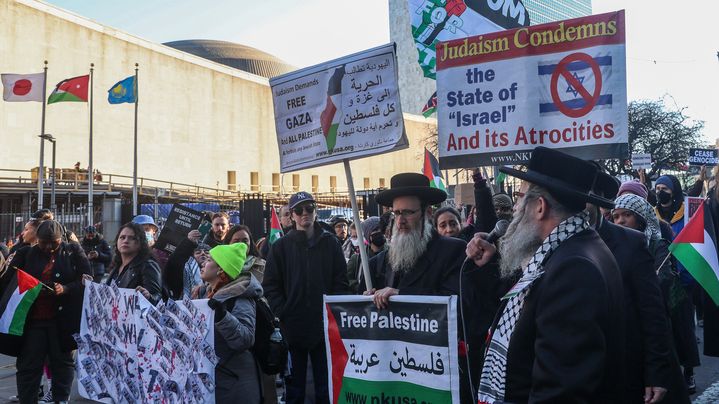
(494, 371)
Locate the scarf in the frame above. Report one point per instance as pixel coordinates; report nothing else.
(641, 208)
(494, 371)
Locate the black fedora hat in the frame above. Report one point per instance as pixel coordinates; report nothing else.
(411, 184)
(605, 189)
(567, 178)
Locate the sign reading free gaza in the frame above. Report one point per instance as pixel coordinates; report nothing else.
(559, 85)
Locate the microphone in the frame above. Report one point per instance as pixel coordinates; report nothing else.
(499, 229)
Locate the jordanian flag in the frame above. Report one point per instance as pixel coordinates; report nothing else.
(72, 90)
(20, 292)
(330, 117)
(275, 228)
(695, 247)
(431, 170)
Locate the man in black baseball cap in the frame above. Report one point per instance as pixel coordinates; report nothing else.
(302, 266)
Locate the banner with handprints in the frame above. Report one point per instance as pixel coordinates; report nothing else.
(130, 351)
(406, 353)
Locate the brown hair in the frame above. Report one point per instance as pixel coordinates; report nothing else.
(224, 280)
(220, 214)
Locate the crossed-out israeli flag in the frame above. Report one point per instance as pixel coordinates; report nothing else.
(570, 96)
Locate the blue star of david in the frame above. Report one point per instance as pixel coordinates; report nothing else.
(571, 89)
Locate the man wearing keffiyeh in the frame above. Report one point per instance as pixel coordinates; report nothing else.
(555, 337)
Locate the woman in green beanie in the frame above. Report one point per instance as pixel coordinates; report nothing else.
(232, 294)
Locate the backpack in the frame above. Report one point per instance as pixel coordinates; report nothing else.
(270, 355)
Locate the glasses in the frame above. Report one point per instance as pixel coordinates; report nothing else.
(405, 212)
(304, 208)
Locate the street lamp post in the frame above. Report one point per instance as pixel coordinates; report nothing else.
(51, 139)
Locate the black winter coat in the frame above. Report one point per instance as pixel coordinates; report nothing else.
(139, 272)
(567, 345)
(649, 360)
(70, 264)
(104, 255)
(297, 273)
(173, 275)
(436, 272)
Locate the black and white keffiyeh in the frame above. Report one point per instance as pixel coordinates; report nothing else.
(641, 207)
(492, 383)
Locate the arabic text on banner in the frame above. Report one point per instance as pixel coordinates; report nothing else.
(131, 351)
(559, 85)
(347, 108)
(406, 353)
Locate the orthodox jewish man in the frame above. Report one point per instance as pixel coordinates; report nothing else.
(558, 336)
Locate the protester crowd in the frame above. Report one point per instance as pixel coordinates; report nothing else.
(579, 301)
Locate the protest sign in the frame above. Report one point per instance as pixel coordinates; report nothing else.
(703, 157)
(131, 351)
(691, 205)
(179, 222)
(344, 109)
(560, 85)
(406, 353)
(641, 161)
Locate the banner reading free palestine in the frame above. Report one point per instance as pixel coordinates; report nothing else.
(404, 354)
(346, 108)
(560, 85)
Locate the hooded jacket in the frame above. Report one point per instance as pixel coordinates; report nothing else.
(297, 273)
(104, 255)
(237, 373)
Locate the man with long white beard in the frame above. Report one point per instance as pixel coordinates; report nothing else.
(419, 261)
(558, 333)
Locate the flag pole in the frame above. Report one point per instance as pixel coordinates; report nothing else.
(90, 174)
(358, 226)
(134, 161)
(41, 168)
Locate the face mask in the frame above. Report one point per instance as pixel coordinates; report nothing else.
(377, 239)
(664, 197)
(355, 242)
(150, 237)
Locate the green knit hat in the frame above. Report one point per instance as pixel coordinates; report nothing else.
(231, 258)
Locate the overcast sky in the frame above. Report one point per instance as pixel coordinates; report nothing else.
(671, 46)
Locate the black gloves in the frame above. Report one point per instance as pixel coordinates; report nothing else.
(219, 309)
(479, 182)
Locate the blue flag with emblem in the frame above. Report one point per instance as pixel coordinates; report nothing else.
(123, 91)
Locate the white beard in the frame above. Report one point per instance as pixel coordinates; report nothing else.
(519, 243)
(406, 248)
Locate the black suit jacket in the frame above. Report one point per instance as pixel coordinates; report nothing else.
(648, 360)
(567, 345)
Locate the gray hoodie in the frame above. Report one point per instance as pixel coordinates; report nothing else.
(237, 374)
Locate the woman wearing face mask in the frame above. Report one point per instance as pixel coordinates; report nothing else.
(132, 265)
(373, 232)
(232, 293)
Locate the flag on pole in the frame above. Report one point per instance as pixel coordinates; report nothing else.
(275, 227)
(330, 118)
(20, 292)
(73, 90)
(431, 170)
(23, 87)
(695, 247)
(431, 106)
(123, 91)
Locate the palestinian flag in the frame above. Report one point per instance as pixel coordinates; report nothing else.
(74, 90)
(431, 106)
(431, 170)
(330, 117)
(695, 247)
(275, 228)
(19, 293)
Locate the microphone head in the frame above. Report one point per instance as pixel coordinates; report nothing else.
(501, 227)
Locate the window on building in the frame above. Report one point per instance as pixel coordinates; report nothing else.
(315, 183)
(382, 183)
(295, 182)
(366, 182)
(275, 182)
(232, 180)
(255, 181)
(333, 183)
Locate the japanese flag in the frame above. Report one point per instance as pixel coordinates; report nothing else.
(23, 87)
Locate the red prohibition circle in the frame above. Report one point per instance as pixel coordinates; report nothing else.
(590, 100)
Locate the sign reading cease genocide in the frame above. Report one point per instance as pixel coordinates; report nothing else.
(406, 353)
(559, 85)
(703, 157)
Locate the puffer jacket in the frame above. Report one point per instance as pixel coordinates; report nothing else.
(237, 373)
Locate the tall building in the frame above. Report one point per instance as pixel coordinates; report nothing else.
(542, 11)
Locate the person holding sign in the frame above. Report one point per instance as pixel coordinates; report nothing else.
(133, 266)
(232, 297)
(302, 266)
(558, 335)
